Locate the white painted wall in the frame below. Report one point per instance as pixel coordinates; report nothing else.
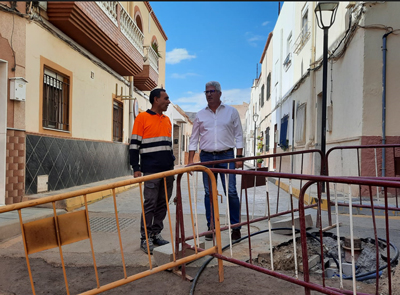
(3, 128)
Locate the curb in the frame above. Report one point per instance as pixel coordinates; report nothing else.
(79, 201)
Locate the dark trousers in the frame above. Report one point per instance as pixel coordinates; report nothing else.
(155, 206)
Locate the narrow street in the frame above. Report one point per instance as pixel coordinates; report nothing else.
(47, 271)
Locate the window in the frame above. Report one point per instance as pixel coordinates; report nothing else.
(269, 86)
(262, 95)
(55, 100)
(301, 124)
(283, 142)
(117, 120)
(267, 139)
(304, 22)
(289, 43)
(288, 60)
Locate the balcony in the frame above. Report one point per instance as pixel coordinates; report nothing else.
(106, 30)
(302, 38)
(148, 78)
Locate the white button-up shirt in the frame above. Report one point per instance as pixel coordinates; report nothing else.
(217, 131)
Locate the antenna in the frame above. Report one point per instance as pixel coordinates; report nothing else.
(257, 71)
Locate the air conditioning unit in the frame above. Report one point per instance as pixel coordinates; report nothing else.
(18, 88)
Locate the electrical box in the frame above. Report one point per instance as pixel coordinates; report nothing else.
(18, 88)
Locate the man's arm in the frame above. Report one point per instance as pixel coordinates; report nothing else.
(239, 154)
(194, 140)
(237, 125)
(191, 156)
(136, 141)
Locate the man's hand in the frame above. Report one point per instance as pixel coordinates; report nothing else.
(137, 174)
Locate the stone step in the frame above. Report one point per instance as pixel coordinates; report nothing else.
(287, 222)
(163, 254)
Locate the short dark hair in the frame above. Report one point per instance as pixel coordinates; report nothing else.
(155, 93)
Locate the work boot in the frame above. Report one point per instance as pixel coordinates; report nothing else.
(158, 240)
(236, 235)
(143, 246)
(209, 237)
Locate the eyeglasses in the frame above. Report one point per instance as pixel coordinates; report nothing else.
(210, 91)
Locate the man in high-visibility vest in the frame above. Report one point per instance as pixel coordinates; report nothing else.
(151, 143)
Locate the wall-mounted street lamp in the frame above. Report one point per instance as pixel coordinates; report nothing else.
(255, 119)
(325, 10)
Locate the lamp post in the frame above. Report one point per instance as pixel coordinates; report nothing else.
(255, 118)
(326, 8)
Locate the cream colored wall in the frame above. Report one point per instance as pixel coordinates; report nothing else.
(92, 102)
(387, 14)
(148, 35)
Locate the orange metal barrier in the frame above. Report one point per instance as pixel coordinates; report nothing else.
(61, 230)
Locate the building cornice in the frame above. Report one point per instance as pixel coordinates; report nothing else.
(266, 47)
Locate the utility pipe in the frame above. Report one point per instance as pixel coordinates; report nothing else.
(130, 107)
(384, 50)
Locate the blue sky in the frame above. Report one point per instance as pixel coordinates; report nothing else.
(221, 41)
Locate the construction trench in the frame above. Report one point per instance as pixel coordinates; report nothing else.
(346, 261)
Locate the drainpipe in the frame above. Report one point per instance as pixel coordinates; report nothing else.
(384, 50)
(130, 108)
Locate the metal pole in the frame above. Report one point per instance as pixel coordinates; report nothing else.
(324, 91)
(255, 126)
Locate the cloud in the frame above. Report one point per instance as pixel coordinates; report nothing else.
(253, 39)
(182, 76)
(265, 23)
(194, 102)
(177, 55)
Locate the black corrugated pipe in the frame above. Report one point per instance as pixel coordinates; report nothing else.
(384, 50)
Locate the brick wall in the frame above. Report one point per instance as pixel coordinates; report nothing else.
(15, 166)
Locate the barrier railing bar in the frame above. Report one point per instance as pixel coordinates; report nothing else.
(145, 225)
(389, 272)
(270, 232)
(227, 177)
(248, 222)
(26, 251)
(293, 231)
(338, 238)
(290, 279)
(60, 247)
(376, 239)
(353, 262)
(191, 215)
(146, 273)
(359, 173)
(91, 241)
(169, 218)
(319, 188)
(119, 232)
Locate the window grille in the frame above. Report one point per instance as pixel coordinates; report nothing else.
(117, 120)
(55, 101)
(269, 86)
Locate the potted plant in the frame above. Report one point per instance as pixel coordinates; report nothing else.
(259, 162)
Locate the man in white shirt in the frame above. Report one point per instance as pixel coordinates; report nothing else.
(219, 130)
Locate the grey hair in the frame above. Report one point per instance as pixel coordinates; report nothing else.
(215, 84)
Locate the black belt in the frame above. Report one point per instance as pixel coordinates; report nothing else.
(220, 152)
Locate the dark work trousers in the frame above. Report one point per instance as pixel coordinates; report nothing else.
(155, 206)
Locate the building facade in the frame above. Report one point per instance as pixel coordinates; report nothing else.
(356, 112)
(73, 77)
